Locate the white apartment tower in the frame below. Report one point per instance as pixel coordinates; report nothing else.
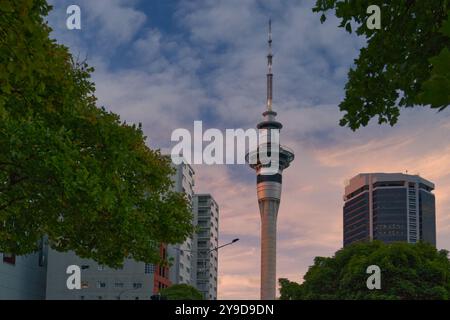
(207, 212)
(184, 254)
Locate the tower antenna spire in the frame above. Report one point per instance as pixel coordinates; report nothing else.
(269, 74)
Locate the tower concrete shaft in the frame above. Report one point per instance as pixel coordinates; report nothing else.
(268, 185)
(268, 209)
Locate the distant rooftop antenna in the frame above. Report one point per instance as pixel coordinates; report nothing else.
(270, 74)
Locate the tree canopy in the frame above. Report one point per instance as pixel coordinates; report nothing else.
(408, 271)
(406, 63)
(69, 170)
(181, 292)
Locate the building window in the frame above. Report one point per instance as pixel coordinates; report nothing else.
(41, 261)
(101, 284)
(9, 258)
(101, 268)
(137, 285)
(118, 284)
(149, 268)
(84, 267)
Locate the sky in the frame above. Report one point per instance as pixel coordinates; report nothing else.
(167, 63)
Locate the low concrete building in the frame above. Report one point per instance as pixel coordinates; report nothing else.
(23, 277)
(135, 281)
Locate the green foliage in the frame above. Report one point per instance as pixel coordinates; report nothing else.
(404, 64)
(408, 271)
(289, 290)
(181, 292)
(68, 169)
(436, 90)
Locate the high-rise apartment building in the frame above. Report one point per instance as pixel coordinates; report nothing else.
(207, 213)
(182, 269)
(389, 207)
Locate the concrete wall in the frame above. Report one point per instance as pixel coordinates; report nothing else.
(25, 280)
(98, 282)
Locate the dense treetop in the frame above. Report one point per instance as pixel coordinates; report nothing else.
(406, 63)
(408, 271)
(69, 170)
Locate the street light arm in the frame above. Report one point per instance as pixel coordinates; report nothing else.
(216, 248)
(224, 245)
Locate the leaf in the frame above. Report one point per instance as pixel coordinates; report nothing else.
(92, 184)
(436, 90)
(6, 6)
(348, 27)
(445, 29)
(393, 68)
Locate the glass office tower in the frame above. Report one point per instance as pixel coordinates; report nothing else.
(389, 207)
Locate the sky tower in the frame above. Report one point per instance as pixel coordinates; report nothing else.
(268, 187)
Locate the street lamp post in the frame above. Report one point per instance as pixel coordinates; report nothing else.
(205, 253)
(205, 256)
(217, 249)
(211, 250)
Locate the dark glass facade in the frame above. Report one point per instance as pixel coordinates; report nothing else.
(390, 215)
(356, 219)
(400, 211)
(427, 220)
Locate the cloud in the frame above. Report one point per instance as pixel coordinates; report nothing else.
(105, 24)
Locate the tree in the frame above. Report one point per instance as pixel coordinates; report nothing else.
(69, 170)
(181, 292)
(405, 63)
(289, 290)
(408, 271)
